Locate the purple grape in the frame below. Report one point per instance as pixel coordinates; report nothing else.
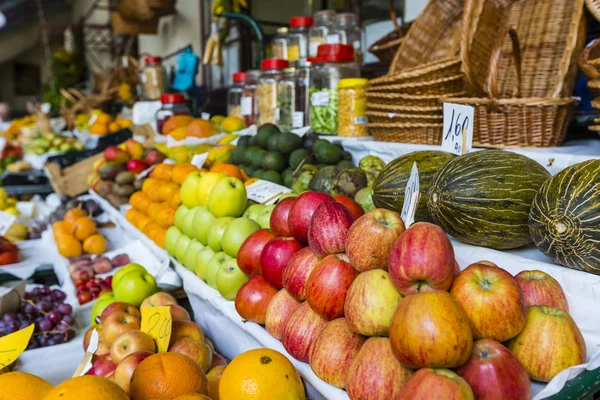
(44, 306)
(63, 327)
(45, 325)
(24, 324)
(36, 291)
(45, 290)
(29, 308)
(65, 309)
(58, 295)
(70, 334)
(43, 341)
(54, 317)
(9, 317)
(69, 320)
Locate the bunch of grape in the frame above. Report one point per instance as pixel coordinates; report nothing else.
(46, 309)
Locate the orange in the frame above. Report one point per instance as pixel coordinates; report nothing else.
(23, 386)
(140, 201)
(166, 190)
(175, 200)
(150, 229)
(245, 176)
(83, 227)
(165, 216)
(153, 210)
(159, 237)
(95, 244)
(193, 396)
(104, 118)
(166, 376)
(181, 171)
(68, 246)
(163, 171)
(176, 121)
(142, 221)
(125, 123)
(153, 192)
(87, 387)
(114, 127)
(179, 133)
(228, 169)
(261, 374)
(132, 215)
(59, 228)
(200, 128)
(99, 129)
(148, 184)
(71, 216)
(250, 181)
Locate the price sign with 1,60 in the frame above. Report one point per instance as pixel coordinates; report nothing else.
(157, 322)
(412, 195)
(458, 128)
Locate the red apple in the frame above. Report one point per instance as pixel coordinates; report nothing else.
(248, 257)
(494, 373)
(116, 324)
(217, 360)
(253, 298)
(300, 331)
(279, 217)
(113, 153)
(119, 307)
(281, 307)
(540, 289)
(371, 237)
(350, 204)
(274, 258)
(328, 286)
(492, 300)
(375, 373)
(127, 366)
(429, 383)
(549, 343)
(431, 330)
(131, 342)
(103, 366)
(178, 313)
(302, 211)
(329, 227)
(333, 351)
(422, 260)
(297, 271)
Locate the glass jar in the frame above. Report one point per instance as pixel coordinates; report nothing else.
(347, 31)
(234, 94)
(172, 104)
(248, 105)
(333, 63)
(154, 78)
(279, 44)
(286, 99)
(352, 112)
(298, 39)
(266, 89)
(301, 117)
(322, 25)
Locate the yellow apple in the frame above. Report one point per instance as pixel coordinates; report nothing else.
(207, 182)
(188, 191)
(228, 198)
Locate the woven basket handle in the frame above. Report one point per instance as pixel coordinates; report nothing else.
(393, 15)
(492, 81)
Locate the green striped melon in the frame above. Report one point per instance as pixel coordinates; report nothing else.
(483, 198)
(389, 187)
(564, 221)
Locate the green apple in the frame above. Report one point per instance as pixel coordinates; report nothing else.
(182, 244)
(264, 219)
(188, 222)
(171, 239)
(202, 259)
(202, 221)
(189, 188)
(189, 258)
(101, 303)
(216, 231)
(212, 267)
(228, 198)
(254, 211)
(230, 279)
(236, 233)
(134, 287)
(180, 216)
(125, 269)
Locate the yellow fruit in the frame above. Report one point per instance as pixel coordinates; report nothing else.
(179, 133)
(217, 120)
(11, 201)
(232, 124)
(17, 230)
(219, 153)
(104, 118)
(207, 182)
(23, 386)
(3, 194)
(83, 227)
(99, 129)
(125, 123)
(94, 244)
(68, 246)
(113, 127)
(11, 210)
(228, 139)
(87, 387)
(261, 374)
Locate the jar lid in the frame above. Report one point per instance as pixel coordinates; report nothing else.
(152, 59)
(172, 98)
(239, 77)
(352, 82)
(324, 13)
(274, 63)
(300, 21)
(334, 53)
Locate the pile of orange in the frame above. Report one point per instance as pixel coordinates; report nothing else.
(104, 124)
(77, 234)
(183, 126)
(153, 208)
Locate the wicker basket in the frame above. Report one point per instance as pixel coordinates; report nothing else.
(435, 70)
(377, 117)
(386, 47)
(416, 132)
(439, 86)
(405, 109)
(375, 99)
(594, 8)
(590, 58)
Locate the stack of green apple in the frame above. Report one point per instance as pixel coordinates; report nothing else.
(211, 224)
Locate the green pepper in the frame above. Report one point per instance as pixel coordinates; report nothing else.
(323, 119)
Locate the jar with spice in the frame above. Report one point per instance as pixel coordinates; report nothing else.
(301, 117)
(234, 94)
(322, 25)
(333, 63)
(154, 78)
(172, 104)
(298, 39)
(347, 31)
(266, 89)
(352, 112)
(286, 99)
(248, 104)
(279, 44)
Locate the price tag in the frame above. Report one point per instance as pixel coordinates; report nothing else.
(278, 114)
(199, 159)
(301, 131)
(11, 346)
(246, 105)
(265, 192)
(411, 197)
(92, 119)
(6, 221)
(26, 208)
(205, 116)
(156, 322)
(333, 39)
(146, 172)
(297, 119)
(319, 99)
(458, 128)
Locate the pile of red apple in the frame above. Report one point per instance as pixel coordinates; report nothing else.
(386, 313)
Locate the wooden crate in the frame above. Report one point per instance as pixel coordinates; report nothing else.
(71, 180)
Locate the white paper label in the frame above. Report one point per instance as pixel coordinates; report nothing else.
(146, 172)
(314, 46)
(360, 120)
(391, 115)
(6, 221)
(411, 197)
(26, 208)
(333, 39)
(265, 192)
(249, 131)
(319, 99)
(205, 116)
(246, 105)
(45, 108)
(297, 119)
(92, 119)
(301, 131)
(458, 128)
(277, 114)
(199, 159)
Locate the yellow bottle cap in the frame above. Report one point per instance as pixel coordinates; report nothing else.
(352, 82)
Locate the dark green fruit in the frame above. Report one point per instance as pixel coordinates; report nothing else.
(289, 142)
(349, 181)
(259, 158)
(259, 173)
(300, 155)
(273, 142)
(344, 164)
(243, 141)
(237, 155)
(288, 177)
(272, 176)
(322, 181)
(252, 141)
(327, 153)
(250, 153)
(308, 140)
(274, 162)
(264, 132)
(319, 143)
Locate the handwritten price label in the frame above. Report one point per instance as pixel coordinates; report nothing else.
(6, 221)
(157, 322)
(205, 116)
(458, 128)
(266, 192)
(199, 159)
(411, 197)
(11, 346)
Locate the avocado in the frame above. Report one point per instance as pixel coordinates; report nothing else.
(237, 155)
(349, 181)
(300, 155)
(322, 181)
(259, 173)
(344, 164)
(258, 160)
(327, 153)
(273, 142)
(319, 143)
(252, 141)
(264, 132)
(289, 142)
(274, 161)
(249, 154)
(249, 170)
(288, 177)
(272, 176)
(243, 141)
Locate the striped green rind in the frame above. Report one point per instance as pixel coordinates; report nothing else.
(389, 187)
(564, 221)
(483, 198)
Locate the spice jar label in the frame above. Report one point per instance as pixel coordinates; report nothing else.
(277, 114)
(266, 192)
(246, 105)
(199, 159)
(333, 39)
(298, 119)
(320, 99)
(458, 128)
(411, 197)
(293, 53)
(6, 221)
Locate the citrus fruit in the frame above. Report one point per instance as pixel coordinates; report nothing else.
(95, 244)
(83, 227)
(192, 396)
(163, 171)
(261, 374)
(200, 128)
(179, 133)
(68, 246)
(23, 386)
(87, 387)
(176, 121)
